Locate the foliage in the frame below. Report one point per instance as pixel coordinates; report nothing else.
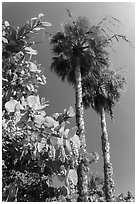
(127, 198)
(20, 75)
(96, 192)
(35, 146)
(103, 90)
(90, 43)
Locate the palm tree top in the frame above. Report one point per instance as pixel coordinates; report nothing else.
(79, 39)
(103, 90)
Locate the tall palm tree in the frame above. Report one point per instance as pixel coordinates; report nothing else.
(77, 49)
(101, 95)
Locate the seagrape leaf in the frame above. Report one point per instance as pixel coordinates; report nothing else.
(40, 146)
(70, 112)
(72, 176)
(64, 191)
(50, 122)
(4, 40)
(56, 182)
(34, 102)
(61, 177)
(72, 132)
(33, 22)
(56, 141)
(76, 139)
(55, 115)
(39, 120)
(44, 24)
(60, 128)
(6, 23)
(32, 67)
(30, 51)
(38, 28)
(65, 135)
(24, 118)
(10, 105)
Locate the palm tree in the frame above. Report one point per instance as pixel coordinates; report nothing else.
(101, 94)
(77, 49)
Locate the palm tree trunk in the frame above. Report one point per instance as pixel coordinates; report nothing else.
(82, 185)
(109, 187)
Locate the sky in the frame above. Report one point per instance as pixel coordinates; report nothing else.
(61, 95)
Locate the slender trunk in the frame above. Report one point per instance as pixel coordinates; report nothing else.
(82, 185)
(109, 187)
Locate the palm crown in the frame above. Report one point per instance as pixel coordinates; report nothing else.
(103, 91)
(79, 39)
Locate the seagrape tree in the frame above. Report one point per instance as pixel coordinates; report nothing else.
(36, 148)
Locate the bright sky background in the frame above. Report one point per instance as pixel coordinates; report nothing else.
(61, 95)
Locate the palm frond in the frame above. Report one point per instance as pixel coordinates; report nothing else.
(104, 91)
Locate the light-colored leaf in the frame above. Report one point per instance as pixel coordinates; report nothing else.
(76, 139)
(41, 144)
(38, 28)
(32, 67)
(7, 23)
(41, 15)
(45, 24)
(39, 120)
(34, 18)
(30, 51)
(55, 115)
(33, 101)
(4, 40)
(72, 176)
(10, 105)
(50, 122)
(71, 112)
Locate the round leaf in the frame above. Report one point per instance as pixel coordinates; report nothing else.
(39, 120)
(64, 191)
(10, 105)
(50, 122)
(72, 175)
